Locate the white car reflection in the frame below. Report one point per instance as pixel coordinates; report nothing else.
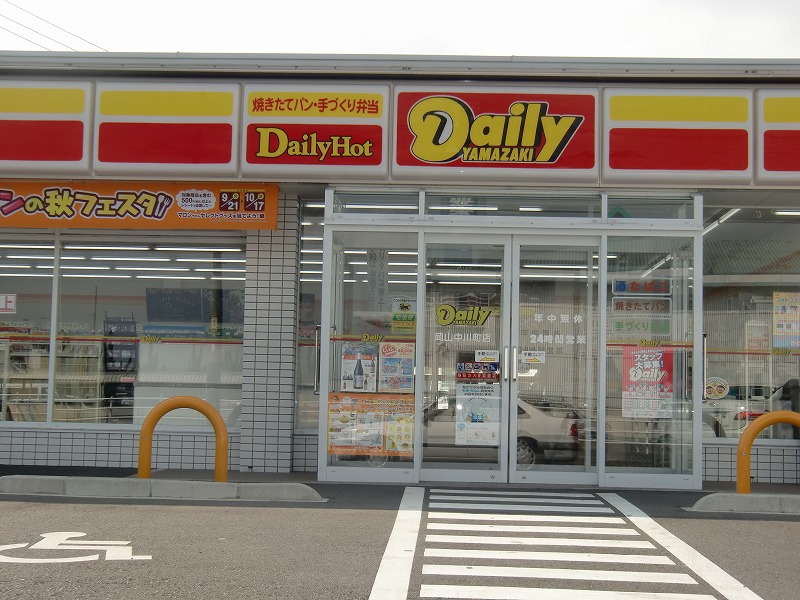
(546, 433)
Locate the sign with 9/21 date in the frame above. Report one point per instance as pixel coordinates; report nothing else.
(138, 204)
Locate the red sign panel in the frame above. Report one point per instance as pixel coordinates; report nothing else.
(521, 130)
(314, 144)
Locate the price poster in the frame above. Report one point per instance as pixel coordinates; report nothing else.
(371, 424)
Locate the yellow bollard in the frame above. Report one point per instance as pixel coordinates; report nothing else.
(162, 408)
(749, 436)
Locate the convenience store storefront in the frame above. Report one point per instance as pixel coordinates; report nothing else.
(531, 277)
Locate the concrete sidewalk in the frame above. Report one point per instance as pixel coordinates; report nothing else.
(167, 484)
(295, 487)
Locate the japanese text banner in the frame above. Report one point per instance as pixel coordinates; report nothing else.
(138, 205)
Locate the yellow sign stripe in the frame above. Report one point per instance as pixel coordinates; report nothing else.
(782, 110)
(714, 109)
(166, 104)
(42, 100)
(315, 104)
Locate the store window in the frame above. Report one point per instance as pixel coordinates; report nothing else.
(751, 313)
(649, 400)
(373, 349)
(138, 320)
(306, 414)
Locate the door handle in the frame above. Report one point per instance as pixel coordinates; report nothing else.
(317, 331)
(514, 367)
(505, 363)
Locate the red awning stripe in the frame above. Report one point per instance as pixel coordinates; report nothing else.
(678, 149)
(165, 143)
(41, 140)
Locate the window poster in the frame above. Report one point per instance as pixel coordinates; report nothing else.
(786, 319)
(371, 424)
(358, 366)
(396, 367)
(477, 414)
(647, 383)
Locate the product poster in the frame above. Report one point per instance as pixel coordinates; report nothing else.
(371, 424)
(358, 367)
(404, 315)
(396, 367)
(477, 414)
(647, 383)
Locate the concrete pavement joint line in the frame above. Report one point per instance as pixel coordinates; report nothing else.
(704, 568)
(394, 573)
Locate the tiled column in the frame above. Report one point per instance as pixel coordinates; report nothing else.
(270, 342)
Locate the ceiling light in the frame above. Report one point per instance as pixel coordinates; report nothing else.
(27, 246)
(97, 275)
(557, 267)
(139, 258)
(194, 249)
(171, 269)
(462, 208)
(84, 268)
(381, 206)
(530, 209)
(77, 247)
(209, 260)
(469, 265)
(786, 213)
(167, 277)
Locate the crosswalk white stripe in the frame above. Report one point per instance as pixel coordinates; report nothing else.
(537, 500)
(434, 514)
(713, 574)
(644, 559)
(394, 572)
(530, 541)
(513, 493)
(570, 574)
(531, 529)
(525, 507)
(480, 592)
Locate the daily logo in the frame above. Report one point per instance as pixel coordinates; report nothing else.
(445, 129)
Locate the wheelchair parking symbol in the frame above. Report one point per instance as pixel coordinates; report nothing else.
(63, 540)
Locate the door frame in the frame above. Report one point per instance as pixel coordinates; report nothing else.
(423, 227)
(505, 471)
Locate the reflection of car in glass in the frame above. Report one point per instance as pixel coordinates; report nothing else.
(546, 432)
(729, 416)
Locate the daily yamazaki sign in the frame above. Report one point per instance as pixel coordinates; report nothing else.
(138, 205)
(514, 130)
